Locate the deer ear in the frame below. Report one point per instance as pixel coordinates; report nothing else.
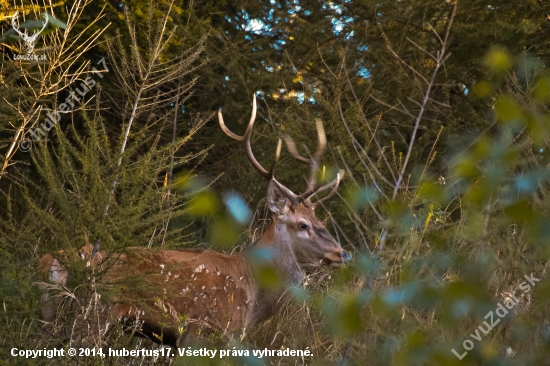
(277, 200)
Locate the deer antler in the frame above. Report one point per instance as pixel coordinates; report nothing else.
(334, 184)
(16, 16)
(245, 140)
(313, 162)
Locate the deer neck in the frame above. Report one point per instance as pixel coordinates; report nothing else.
(278, 244)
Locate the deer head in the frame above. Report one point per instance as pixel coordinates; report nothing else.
(29, 40)
(294, 222)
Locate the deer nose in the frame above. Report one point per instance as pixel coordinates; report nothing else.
(346, 257)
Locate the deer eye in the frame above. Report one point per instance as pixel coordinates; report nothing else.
(303, 226)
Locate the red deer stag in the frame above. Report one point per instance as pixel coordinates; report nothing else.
(175, 293)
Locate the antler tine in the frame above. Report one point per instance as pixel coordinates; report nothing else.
(313, 162)
(291, 146)
(245, 140)
(47, 19)
(334, 184)
(277, 155)
(16, 16)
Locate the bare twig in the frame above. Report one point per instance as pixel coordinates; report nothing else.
(440, 58)
(356, 145)
(365, 120)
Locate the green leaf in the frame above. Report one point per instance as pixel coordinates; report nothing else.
(360, 198)
(483, 89)
(268, 277)
(521, 211)
(507, 110)
(542, 90)
(434, 192)
(56, 22)
(32, 25)
(498, 60)
(224, 233)
(466, 168)
(347, 319)
(204, 203)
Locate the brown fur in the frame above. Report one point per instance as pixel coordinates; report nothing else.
(193, 289)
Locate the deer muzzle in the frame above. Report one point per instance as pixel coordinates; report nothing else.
(337, 257)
